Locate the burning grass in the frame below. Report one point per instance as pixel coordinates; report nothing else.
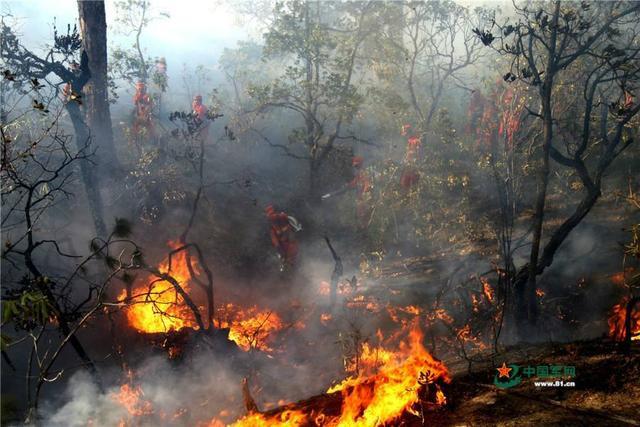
(250, 328)
(391, 382)
(369, 400)
(618, 318)
(155, 306)
(132, 399)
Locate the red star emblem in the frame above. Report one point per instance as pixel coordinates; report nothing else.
(503, 370)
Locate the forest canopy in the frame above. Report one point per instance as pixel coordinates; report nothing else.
(368, 202)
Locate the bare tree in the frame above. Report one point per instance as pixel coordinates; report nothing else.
(46, 301)
(60, 61)
(435, 47)
(551, 44)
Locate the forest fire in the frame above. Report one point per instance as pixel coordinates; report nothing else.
(389, 383)
(621, 277)
(249, 328)
(368, 303)
(487, 290)
(383, 397)
(325, 318)
(156, 306)
(131, 398)
(287, 418)
(321, 217)
(617, 321)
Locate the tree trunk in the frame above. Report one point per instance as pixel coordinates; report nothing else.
(527, 303)
(522, 279)
(310, 139)
(87, 170)
(93, 28)
(315, 184)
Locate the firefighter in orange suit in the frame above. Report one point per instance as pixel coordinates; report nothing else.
(281, 230)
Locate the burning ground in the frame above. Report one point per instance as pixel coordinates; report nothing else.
(366, 362)
(364, 213)
(390, 351)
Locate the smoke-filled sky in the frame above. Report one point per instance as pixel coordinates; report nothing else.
(194, 29)
(194, 32)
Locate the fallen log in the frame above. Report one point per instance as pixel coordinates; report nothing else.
(320, 409)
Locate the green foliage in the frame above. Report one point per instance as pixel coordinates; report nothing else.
(244, 59)
(132, 17)
(27, 309)
(317, 81)
(67, 44)
(246, 70)
(5, 341)
(293, 32)
(127, 65)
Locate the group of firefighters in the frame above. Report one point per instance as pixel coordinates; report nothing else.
(143, 106)
(283, 226)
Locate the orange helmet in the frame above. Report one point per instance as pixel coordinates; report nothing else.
(141, 88)
(357, 161)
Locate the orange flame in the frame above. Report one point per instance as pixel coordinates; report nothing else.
(288, 418)
(156, 307)
(325, 318)
(403, 315)
(466, 335)
(487, 290)
(251, 327)
(369, 303)
(620, 278)
(617, 320)
(475, 303)
(388, 384)
(131, 398)
(325, 288)
(384, 397)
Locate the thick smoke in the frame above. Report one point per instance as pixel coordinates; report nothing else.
(242, 176)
